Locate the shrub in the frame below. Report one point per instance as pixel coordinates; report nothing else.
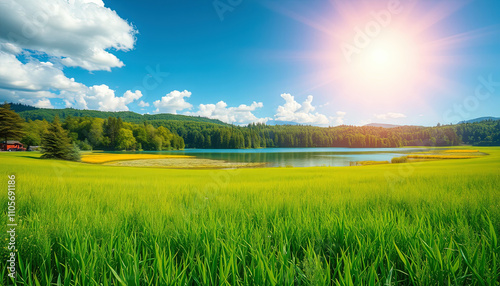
(403, 159)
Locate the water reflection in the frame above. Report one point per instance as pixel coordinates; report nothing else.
(298, 157)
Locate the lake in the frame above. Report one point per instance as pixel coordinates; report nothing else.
(298, 157)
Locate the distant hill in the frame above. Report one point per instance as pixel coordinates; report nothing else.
(29, 112)
(382, 125)
(480, 119)
(19, 107)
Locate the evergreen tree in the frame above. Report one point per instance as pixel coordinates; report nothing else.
(11, 124)
(56, 144)
(74, 153)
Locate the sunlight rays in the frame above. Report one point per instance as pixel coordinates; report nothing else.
(384, 50)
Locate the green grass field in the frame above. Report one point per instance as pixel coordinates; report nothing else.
(425, 223)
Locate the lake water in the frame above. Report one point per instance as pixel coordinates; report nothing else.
(298, 157)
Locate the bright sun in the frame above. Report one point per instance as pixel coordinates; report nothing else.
(381, 57)
(374, 54)
(386, 61)
(385, 68)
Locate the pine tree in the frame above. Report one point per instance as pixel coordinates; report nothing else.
(56, 144)
(11, 124)
(74, 153)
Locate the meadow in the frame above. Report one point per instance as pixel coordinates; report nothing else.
(422, 223)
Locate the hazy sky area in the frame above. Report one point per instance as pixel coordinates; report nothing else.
(241, 61)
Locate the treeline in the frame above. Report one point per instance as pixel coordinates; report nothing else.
(106, 134)
(485, 133)
(212, 136)
(262, 136)
(116, 133)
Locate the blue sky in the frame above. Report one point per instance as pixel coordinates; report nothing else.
(262, 61)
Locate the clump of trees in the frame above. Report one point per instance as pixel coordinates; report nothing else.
(11, 124)
(114, 134)
(56, 143)
(106, 134)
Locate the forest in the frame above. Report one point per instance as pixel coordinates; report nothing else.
(167, 131)
(486, 133)
(106, 134)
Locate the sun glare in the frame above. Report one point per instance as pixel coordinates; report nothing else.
(378, 52)
(386, 62)
(381, 58)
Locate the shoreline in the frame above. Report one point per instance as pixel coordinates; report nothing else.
(144, 160)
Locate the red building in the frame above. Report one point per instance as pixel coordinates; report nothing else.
(12, 146)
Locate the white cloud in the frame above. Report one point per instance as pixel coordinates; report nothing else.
(25, 97)
(131, 96)
(44, 103)
(300, 113)
(78, 33)
(33, 76)
(339, 119)
(10, 48)
(324, 105)
(173, 102)
(240, 115)
(35, 82)
(389, 115)
(143, 104)
(101, 97)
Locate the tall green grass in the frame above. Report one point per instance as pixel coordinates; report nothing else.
(432, 223)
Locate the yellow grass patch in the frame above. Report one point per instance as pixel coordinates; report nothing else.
(103, 158)
(461, 151)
